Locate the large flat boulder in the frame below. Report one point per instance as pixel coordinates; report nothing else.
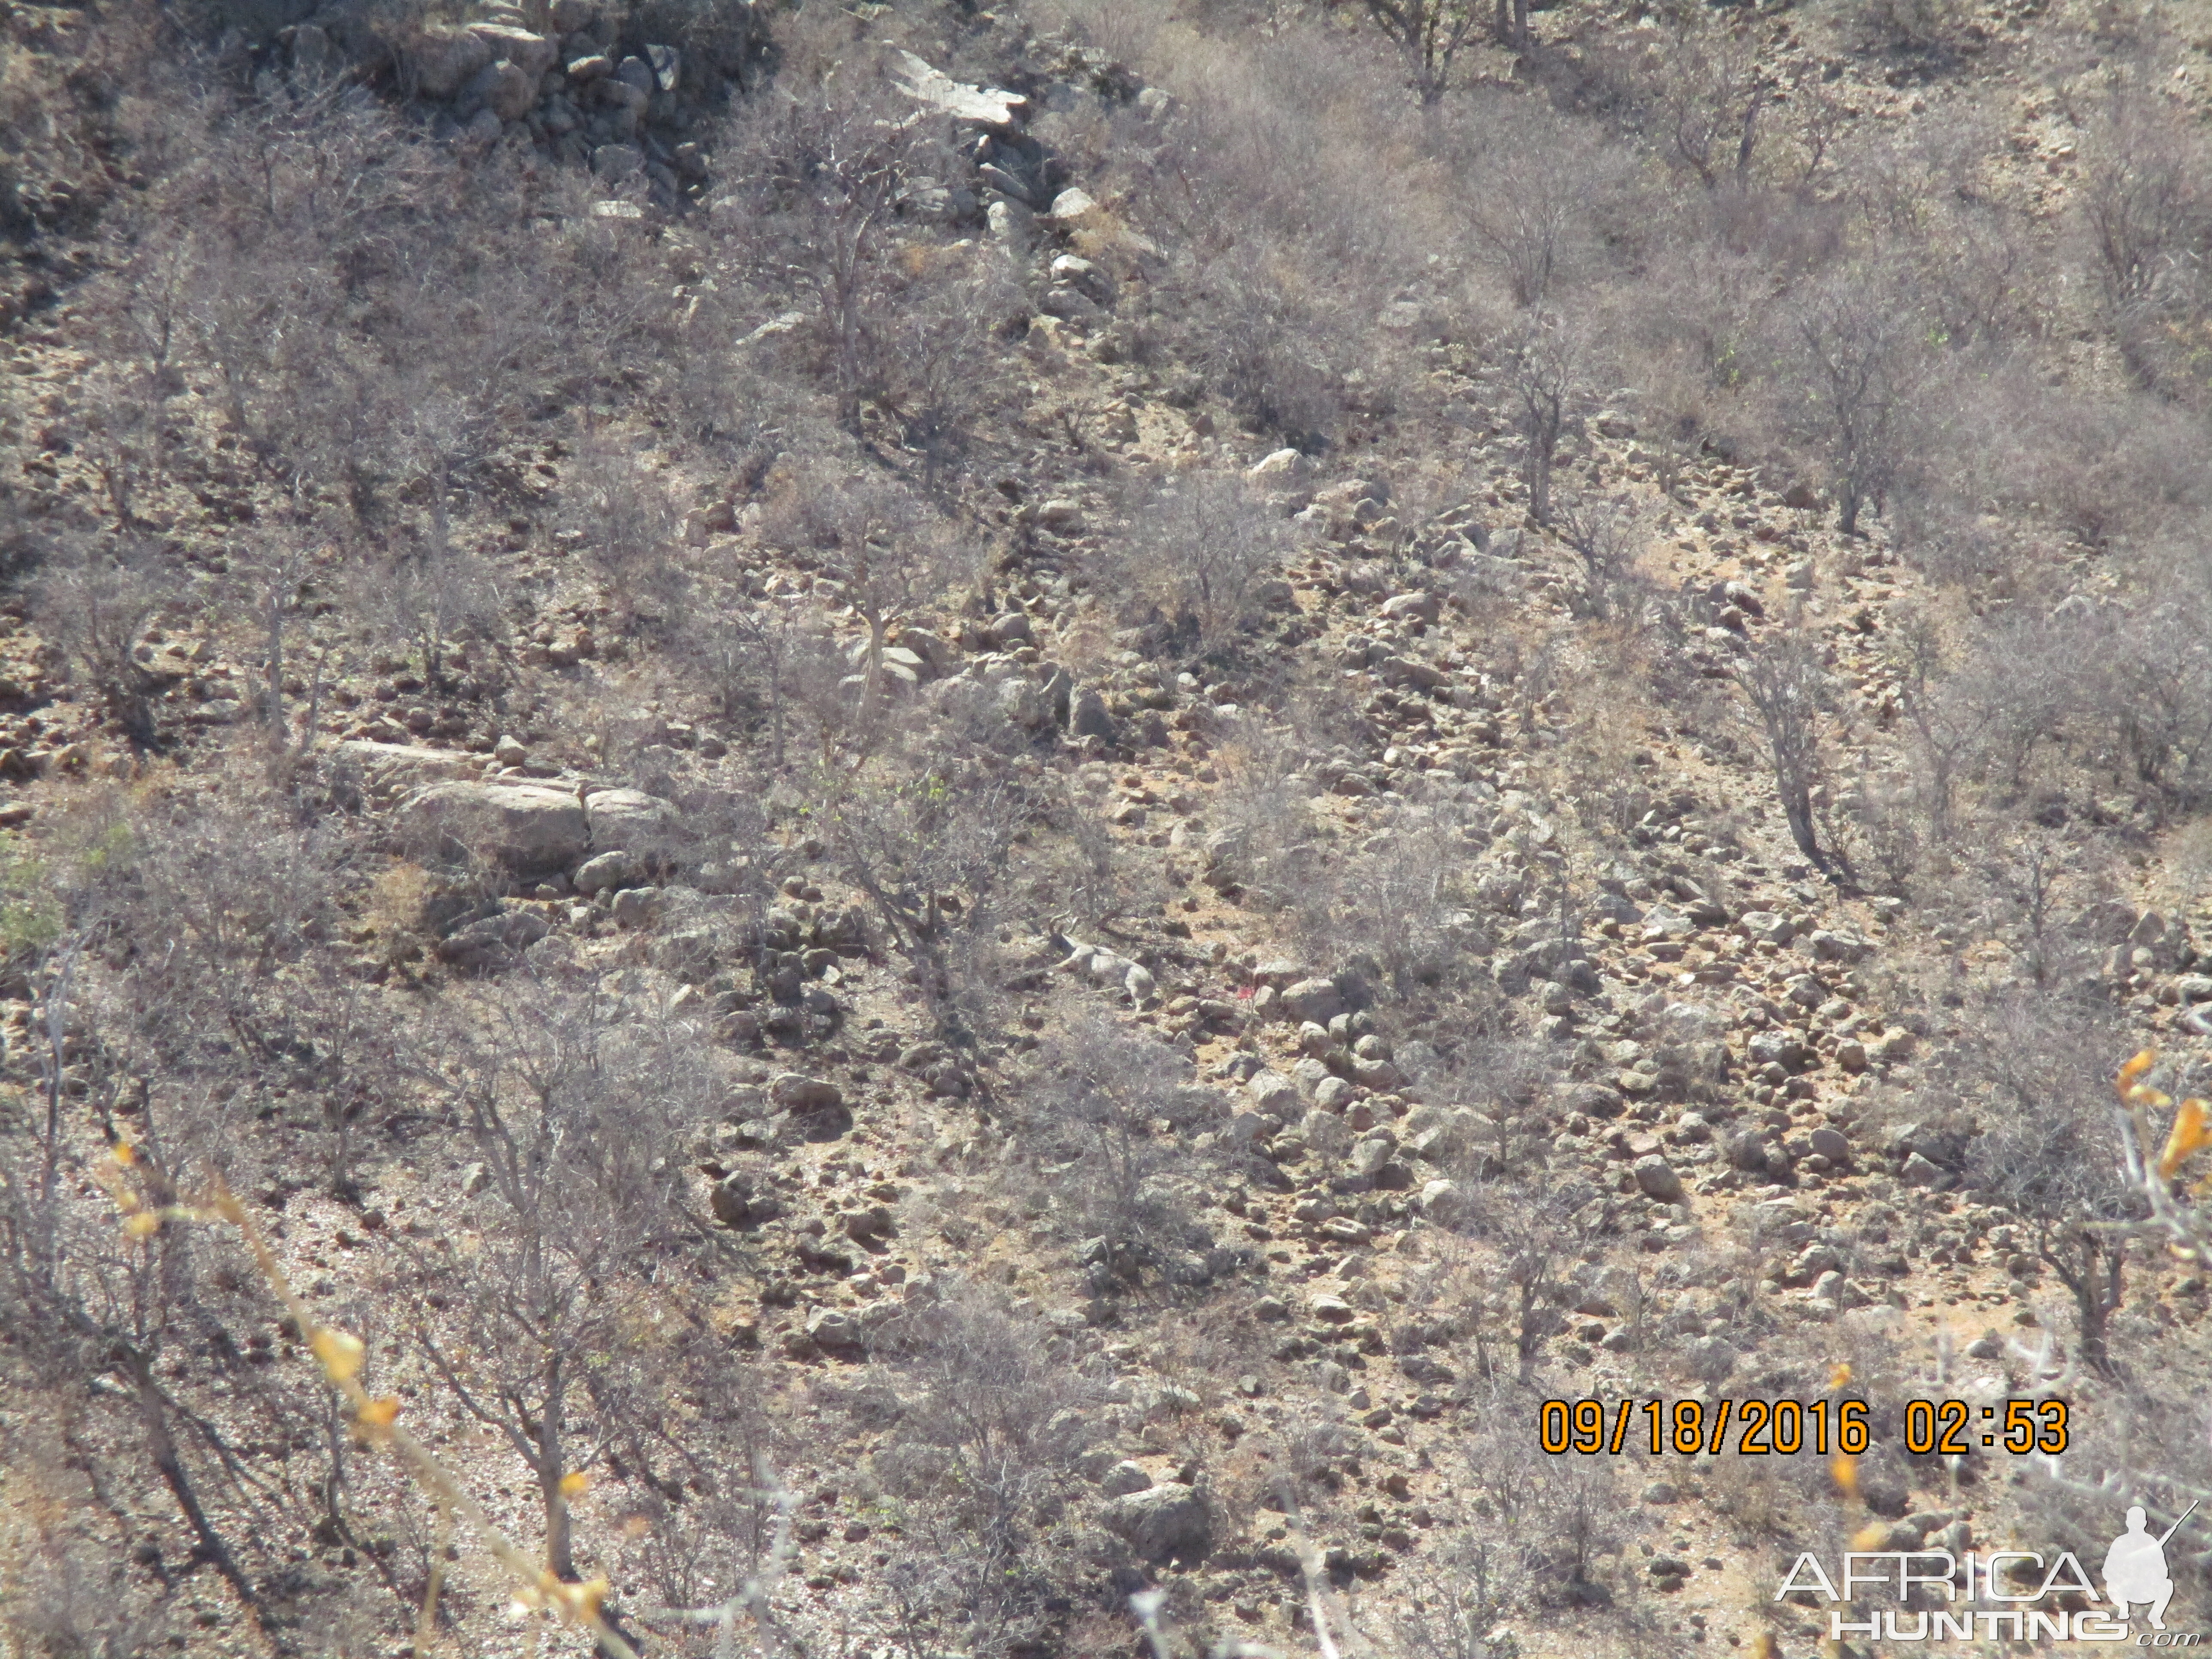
(440, 58)
(631, 821)
(533, 829)
(387, 771)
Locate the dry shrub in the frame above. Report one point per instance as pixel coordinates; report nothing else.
(1202, 551)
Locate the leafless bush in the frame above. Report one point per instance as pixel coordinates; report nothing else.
(890, 556)
(1856, 344)
(1609, 538)
(1429, 34)
(1915, 27)
(986, 1429)
(1548, 368)
(621, 512)
(1202, 549)
(930, 850)
(1536, 189)
(817, 173)
(752, 656)
(1452, 1607)
(1546, 1523)
(96, 598)
(1401, 905)
(1264, 346)
(2146, 206)
(2050, 1151)
(2138, 1448)
(942, 335)
(1111, 1124)
(576, 1100)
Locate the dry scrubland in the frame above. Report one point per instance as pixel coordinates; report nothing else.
(960, 825)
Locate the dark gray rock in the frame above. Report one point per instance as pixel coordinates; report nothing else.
(1162, 1522)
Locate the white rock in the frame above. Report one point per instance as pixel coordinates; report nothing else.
(1283, 464)
(984, 106)
(1071, 205)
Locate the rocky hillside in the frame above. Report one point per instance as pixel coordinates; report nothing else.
(903, 830)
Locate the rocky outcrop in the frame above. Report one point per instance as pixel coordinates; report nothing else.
(528, 829)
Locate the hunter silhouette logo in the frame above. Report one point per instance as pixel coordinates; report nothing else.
(2135, 1568)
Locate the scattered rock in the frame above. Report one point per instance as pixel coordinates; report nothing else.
(1657, 1178)
(1839, 947)
(440, 59)
(1088, 717)
(494, 941)
(607, 871)
(1282, 466)
(635, 907)
(794, 1091)
(630, 819)
(1124, 1478)
(1315, 1000)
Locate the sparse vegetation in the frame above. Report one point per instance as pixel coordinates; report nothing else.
(952, 831)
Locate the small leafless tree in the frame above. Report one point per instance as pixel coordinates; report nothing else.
(2051, 1150)
(1609, 538)
(1534, 183)
(572, 1098)
(1546, 368)
(1858, 346)
(888, 551)
(818, 174)
(1935, 714)
(940, 364)
(1429, 34)
(1102, 1099)
(930, 849)
(987, 1428)
(745, 650)
(1699, 94)
(1787, 689)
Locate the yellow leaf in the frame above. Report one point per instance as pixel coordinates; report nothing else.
(144, 1224)
(576, 1484)
(379, 1414)
(2190, 1132)
(2135, 1068)
(1764, 1646)
(1871, 1536)
(1843, 1470)
(341, 1354)
(582, 1602)
(1839, 1377)
(124, 1154)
